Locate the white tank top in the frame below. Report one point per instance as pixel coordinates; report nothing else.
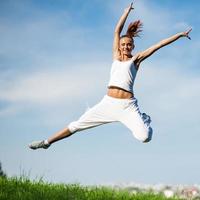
(123, 74)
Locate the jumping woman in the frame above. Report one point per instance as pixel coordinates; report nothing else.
(119, 104)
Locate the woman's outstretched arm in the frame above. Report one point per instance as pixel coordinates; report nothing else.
(148, 52)
(118, 30)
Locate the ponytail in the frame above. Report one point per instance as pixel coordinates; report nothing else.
(134, 29)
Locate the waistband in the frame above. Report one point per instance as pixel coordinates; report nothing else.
(118, 99)
(116, 87)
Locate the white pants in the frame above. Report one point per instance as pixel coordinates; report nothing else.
(111, 109)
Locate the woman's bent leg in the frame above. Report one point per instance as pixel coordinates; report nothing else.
(137, 122)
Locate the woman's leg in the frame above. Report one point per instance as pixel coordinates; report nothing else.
(96, 116)
(137, 122)
(59, 135)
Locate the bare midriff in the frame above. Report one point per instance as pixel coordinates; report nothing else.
(120, 93)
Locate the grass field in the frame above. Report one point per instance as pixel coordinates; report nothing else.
(24, 189)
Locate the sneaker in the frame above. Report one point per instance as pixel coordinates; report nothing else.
(39, 144)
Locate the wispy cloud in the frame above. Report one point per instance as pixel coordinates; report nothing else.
(170, 94)
(51, 86)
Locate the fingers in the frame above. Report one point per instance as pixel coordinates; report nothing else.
(188, 37)
(131, 6)
(187, 33)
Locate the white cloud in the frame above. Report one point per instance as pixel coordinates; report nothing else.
(50, 86)
(8, 111)
(169, 89)
(40, 37)
(161, 89)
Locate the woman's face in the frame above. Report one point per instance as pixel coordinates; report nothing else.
(126, 46)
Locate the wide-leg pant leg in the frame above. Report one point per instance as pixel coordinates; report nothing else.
(102, 113)
(137, 122)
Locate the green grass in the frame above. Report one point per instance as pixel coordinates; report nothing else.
(25, 189)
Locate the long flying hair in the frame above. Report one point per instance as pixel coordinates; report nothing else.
(133, 30)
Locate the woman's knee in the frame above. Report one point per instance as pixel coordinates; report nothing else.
(145, 135)
(148, 135)
(73, 127)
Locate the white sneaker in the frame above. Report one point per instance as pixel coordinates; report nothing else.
(39, 144)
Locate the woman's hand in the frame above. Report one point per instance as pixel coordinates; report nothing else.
(186, 34)
(129, 8)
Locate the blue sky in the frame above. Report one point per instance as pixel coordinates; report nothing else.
(55, 59)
